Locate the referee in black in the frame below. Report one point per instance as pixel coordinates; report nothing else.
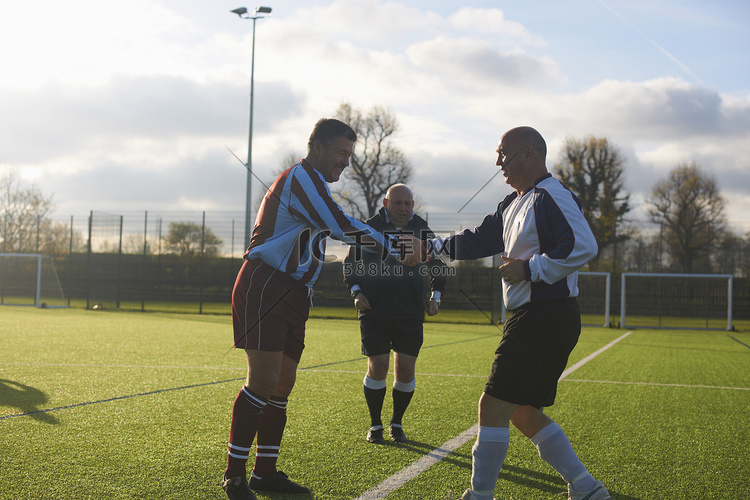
(390, 301)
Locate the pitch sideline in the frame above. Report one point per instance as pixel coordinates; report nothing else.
(403, 476)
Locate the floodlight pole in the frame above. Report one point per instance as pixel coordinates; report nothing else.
(242, 12)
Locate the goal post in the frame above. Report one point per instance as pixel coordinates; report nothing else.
(678, 301)
(30, 280)
(594, 298)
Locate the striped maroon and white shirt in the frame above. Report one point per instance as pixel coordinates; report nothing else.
(296, 216)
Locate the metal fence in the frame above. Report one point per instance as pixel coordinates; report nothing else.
(122, 260)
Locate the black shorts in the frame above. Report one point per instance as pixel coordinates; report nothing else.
(537, 340)
(379, 336)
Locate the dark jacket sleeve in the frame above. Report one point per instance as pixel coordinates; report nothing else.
(437, 269)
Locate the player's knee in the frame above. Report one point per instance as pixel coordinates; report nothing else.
(377, 367)
(529, 420)
(263, 384)
(405, 386)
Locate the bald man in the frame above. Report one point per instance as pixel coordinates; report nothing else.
(544, 239)
(390, 303)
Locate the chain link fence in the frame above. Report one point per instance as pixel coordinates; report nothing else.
(140, 261)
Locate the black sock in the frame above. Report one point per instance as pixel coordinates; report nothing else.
(401, 401)
(374, 398)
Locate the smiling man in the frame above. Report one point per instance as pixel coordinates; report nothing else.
(390, 303)
(544, 239)
(272, 296)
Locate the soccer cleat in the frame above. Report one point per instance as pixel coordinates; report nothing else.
(397, 434)
(375, 435)
(237, 488)
(469, 495)
(598, 493)
(277, 482)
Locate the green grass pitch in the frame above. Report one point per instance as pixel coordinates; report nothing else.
(123, 405)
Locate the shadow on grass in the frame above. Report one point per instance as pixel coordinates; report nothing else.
(27, 399)
(541, 481)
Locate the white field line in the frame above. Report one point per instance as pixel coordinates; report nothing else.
(405, 475)
(591, 356)
(660, 384)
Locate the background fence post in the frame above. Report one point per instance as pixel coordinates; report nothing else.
(119, 267)
(88, 263)
(203, 247)
(70, 262)
(144, 270)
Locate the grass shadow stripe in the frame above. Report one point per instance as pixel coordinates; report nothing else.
(738, 341)
(332, 363)
(118, 398)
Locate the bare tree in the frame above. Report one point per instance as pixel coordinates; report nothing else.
(593, 169)
(376, 163)
(690, 208)
(24, 217)
(184, 239)
(728, 255)
(640, 254)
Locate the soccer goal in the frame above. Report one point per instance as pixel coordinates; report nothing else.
(685, 301)
(30, 280)
(593, 299)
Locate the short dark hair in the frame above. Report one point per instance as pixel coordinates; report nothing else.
(327, 130)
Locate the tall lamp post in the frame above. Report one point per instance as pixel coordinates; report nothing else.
(243, 13)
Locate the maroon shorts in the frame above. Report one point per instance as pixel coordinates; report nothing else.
(269, 310)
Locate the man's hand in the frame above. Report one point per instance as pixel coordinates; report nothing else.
(513, 270)
(361, 303)
(432, 308)
(412, 250)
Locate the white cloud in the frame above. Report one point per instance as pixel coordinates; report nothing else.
(493, 21)
(128, 103)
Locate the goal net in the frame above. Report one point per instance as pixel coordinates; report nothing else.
(686, 301)
(30, 280)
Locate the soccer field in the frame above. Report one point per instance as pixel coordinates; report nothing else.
(129, 405)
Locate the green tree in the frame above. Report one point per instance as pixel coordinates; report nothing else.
(593, 169)
(376, 163)
(184, 239)
(690, 209)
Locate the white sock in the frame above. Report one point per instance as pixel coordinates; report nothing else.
(555, 449)
(488, 455)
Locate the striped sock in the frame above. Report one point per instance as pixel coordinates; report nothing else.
(246, 413)
(270, 432)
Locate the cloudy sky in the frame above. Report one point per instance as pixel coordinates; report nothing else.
(126, 106)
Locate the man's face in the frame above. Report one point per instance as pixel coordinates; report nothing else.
(399, 205)
(333, 160)
(509, 159)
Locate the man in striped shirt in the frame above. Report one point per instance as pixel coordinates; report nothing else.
(544, 239)
(272, 296)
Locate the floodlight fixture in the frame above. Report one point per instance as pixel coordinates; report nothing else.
(243, 13)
